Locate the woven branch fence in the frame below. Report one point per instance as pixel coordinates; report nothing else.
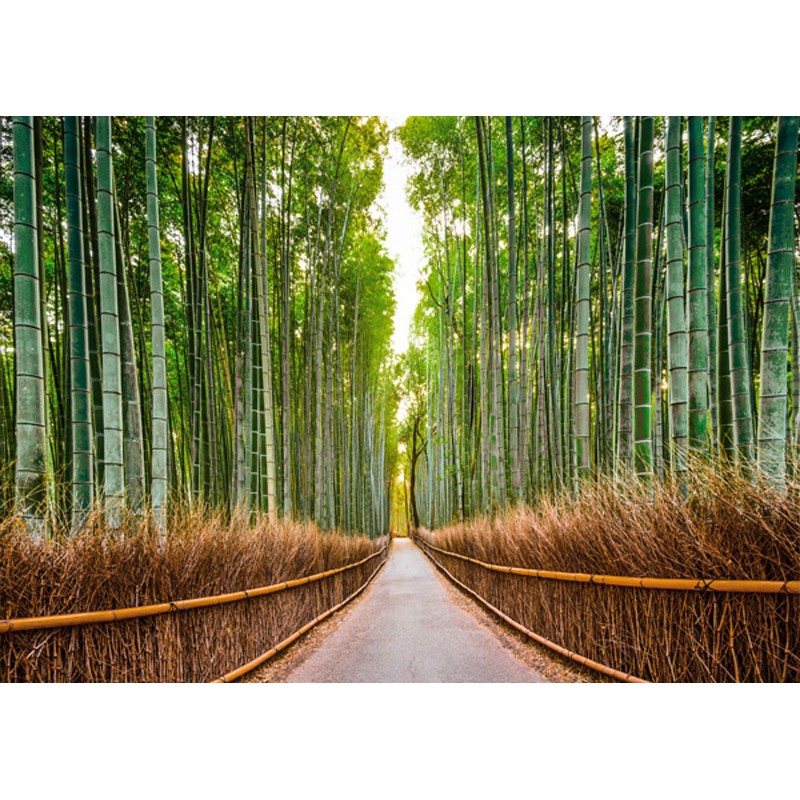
(660, 630)
(196, 640)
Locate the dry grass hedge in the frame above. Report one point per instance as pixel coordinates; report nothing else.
(730, 527)
(203, 556)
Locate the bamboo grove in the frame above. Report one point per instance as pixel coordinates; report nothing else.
(195, 310)
(608, 296)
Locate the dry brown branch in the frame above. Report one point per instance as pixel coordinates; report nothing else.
(203, 556)
(731, 528)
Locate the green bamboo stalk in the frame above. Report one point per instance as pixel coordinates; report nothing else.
(710, 281)
(114, 488)
(566, 329)
(257, 429)
(605, 344)
(724, 401)
(450, 368)
(795, 357)
(496, 437)
(92, 283)
(262, 310)
(31, 429)
(676, 300)
(53, 383)
(553, 377)
(643, 308)
(480, 288)
(625, 390)
(526, 452)
(582, 308)
(61, 430)
(242, 401)
(80, 372)
(772, 423)
(737, 331)
(133, 437)
(661, 421)
(513, 384)
(698, 290)
(160, 434)
(497, 415)
(286, 314)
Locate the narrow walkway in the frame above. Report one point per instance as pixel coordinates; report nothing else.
(407, 630)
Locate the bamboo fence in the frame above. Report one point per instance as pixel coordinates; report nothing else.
(192, 640)
(643, 628)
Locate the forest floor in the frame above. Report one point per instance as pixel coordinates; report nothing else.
(413, 626)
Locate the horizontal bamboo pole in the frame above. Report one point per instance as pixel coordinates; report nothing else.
(586, 662)
(670, 584)
(136, 612)
(257, 662)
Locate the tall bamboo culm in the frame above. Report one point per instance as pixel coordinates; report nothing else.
(31, 431)
(772, 422)
(582, 308)
(160, 427)
(80, 374)
(676, 300)
(643, 308)
(698, 290)
(109, 314)
(741, 400)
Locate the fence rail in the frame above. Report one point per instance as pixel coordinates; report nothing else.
(257, 662)
(646, 628)
(136, 612)
(583, 660)
(154, 643)
(666, 584)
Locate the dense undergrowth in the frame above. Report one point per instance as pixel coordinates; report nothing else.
(730, 527)
(203, 555)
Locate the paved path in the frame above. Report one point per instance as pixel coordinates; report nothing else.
(408, 630)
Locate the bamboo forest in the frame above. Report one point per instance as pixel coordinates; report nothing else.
(212, 438)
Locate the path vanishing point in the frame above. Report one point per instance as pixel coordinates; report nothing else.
(407, 629)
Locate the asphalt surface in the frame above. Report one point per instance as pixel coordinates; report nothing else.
(408, 630)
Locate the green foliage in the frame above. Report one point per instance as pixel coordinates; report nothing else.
(454, 329)
(323, 176)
